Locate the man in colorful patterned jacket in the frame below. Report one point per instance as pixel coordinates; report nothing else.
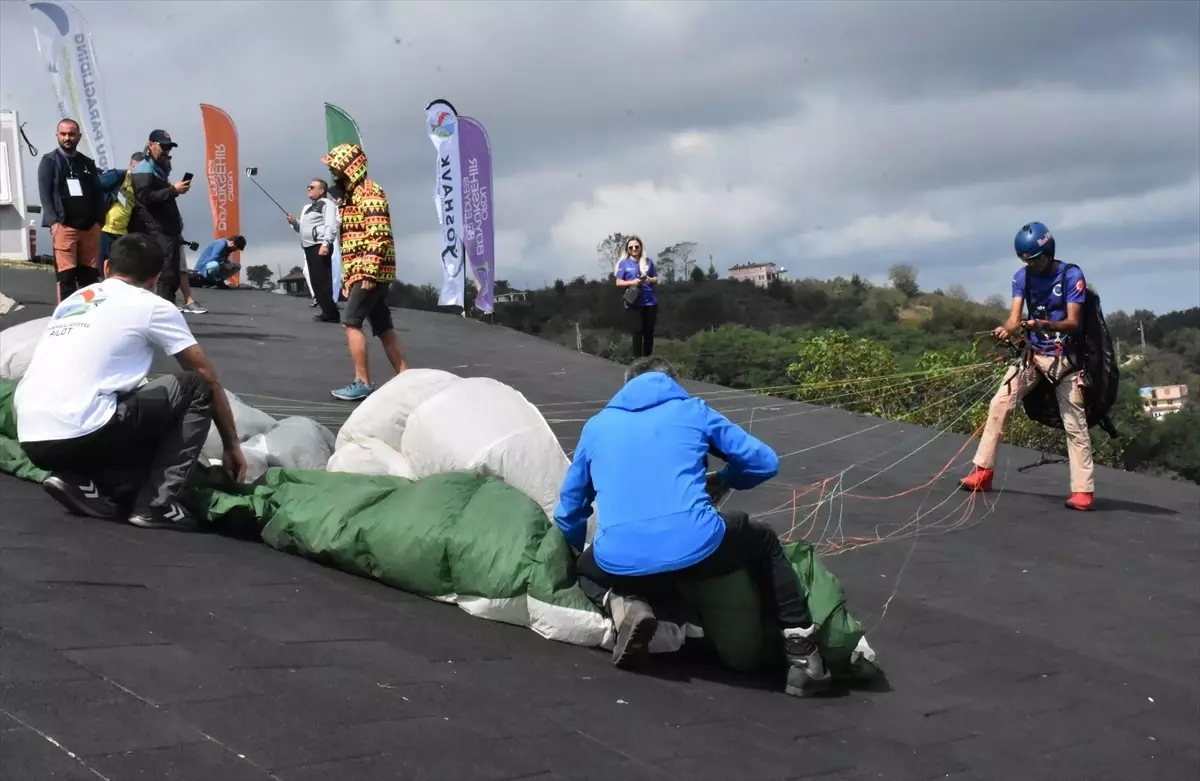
(368, 265)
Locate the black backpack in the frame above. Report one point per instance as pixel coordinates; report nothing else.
(1089, 348)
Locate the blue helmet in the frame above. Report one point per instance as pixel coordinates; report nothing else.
(1032, 240)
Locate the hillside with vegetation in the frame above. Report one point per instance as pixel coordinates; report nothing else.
(894, 351)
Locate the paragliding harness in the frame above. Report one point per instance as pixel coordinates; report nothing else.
(1090, 350)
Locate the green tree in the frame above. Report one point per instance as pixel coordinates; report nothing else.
(1169, 446)
(676, 258)
(609, 251)
(259, 276)
(697, 275)
(859, 372)
(904, 278)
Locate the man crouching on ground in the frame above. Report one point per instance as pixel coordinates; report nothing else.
(642, 460)
(115, 444)
(368, 265)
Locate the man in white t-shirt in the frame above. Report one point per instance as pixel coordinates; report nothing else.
(115, 444)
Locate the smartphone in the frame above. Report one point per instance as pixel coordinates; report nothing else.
(187, 177)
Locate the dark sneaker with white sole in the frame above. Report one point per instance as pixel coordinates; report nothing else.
(169, 516)
(636, 625)
(79, 496)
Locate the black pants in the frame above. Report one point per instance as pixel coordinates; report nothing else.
(320, 273)
(641, 327)
(168, 280)
(747, 545)
(143, 456)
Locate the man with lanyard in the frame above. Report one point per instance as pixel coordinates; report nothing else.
(1056, 293)
(73, 210)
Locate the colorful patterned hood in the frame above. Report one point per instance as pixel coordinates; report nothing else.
(365, 233)
(350, 160)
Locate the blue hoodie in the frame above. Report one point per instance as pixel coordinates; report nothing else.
(642, 461)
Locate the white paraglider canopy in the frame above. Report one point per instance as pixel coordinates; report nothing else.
(426, 421)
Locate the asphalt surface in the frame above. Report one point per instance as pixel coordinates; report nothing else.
(1021, 640)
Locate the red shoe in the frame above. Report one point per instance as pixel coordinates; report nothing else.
(1080, 501)
(979, 480)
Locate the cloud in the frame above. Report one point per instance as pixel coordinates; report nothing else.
(662, 215)
(830, 137)
(901, 229)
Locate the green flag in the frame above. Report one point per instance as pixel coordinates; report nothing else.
(339, 127)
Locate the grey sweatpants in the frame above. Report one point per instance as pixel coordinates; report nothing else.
(143, 456)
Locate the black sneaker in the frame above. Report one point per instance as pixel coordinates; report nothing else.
(807, 675)
(636, 625)
(169, 516)
(79, 496)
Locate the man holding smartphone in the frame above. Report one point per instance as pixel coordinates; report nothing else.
(157, 215)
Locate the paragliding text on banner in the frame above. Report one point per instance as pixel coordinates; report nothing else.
(478, 225)
(63, 38)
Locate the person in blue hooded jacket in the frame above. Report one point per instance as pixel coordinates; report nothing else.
(643, 461)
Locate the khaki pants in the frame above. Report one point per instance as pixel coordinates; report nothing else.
(1020, 380)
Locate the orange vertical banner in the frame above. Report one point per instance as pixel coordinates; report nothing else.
(221, 158)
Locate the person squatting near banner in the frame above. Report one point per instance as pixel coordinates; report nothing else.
(215, 264)
(1054, 293)
(73, 209)
(368, 265)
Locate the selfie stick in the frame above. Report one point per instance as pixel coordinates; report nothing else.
(250, 172)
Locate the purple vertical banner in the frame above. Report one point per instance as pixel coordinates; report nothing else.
(479, 230)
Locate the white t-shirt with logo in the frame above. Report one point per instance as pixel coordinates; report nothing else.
(100, 342)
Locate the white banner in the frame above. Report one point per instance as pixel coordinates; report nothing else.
(65, 43)
(336, 260)
(441, 121)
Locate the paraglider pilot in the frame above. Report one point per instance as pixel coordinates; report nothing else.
(642, 460)
(1054, 294)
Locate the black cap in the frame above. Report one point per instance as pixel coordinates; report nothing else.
(162, 137)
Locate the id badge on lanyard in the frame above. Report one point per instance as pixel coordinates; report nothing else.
(74, 188)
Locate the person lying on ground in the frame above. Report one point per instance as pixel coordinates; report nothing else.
(642, 461)
(116, 445)
(1054, 295)
(368, 265)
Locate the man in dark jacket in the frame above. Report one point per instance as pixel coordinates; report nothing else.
(73, 210)
(156, 213)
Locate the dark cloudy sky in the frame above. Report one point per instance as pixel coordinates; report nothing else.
(831, 137)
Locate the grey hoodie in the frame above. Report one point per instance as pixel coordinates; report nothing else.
(318, 222)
